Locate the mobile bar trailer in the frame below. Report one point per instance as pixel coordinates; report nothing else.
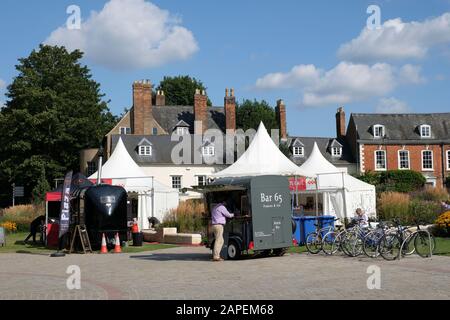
(262, 214)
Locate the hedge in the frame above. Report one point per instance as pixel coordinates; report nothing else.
(395, 180)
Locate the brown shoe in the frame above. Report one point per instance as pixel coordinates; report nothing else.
(218, 259)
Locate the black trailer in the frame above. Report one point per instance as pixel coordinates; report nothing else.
(262, 208)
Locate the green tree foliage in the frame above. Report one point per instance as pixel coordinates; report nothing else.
(395, 180)
(180, 90)
(42, 186)
(54, 110)
(249, 114)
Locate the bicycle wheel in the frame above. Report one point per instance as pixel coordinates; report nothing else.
(408, 247)
(422, 244)
(372, 243)
(347, 243)
(390, 246)
(314, 243)
(328, 242)
(356, 245)
(337, 242)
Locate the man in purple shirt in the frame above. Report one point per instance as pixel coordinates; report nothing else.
(218, 217)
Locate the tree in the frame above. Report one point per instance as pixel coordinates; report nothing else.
(180, 90)
(249, 114)
(42, 186)
(54, 110)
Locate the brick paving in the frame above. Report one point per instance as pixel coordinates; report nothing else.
(187, 273)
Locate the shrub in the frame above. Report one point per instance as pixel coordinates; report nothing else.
(431, 194)
(399, 205)
(187, 217)
(395, 180)
(22, 215)
(442, 227)
(393, 205)
(424, 212)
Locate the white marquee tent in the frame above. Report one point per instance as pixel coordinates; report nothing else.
(342, 193)
(154, 198)
(262, 157)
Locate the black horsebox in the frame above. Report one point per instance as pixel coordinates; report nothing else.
(263, 220)
(101, 208)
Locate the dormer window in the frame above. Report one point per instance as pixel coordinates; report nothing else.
(298, 151)
(378, 131)
(181, 131)
(145, 150)
(336, 151)
(208, 151)
(425, 131)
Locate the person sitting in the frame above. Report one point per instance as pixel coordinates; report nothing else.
(362, 218)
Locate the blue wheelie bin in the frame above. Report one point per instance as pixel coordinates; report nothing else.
(307, 226)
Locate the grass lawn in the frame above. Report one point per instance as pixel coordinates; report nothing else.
(15, 244)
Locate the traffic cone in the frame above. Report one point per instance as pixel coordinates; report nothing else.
(104, 248)
(117, 248)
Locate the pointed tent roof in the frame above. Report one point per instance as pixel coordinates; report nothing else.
(316, 163)
(120, 165)
(261, 158)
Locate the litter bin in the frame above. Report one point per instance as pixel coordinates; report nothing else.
(138, 239)
(307, 227)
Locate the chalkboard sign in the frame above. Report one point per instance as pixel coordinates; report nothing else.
(2, 237)
(81, 233)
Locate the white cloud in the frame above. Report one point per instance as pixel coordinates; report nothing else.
(2, 84)
(298, 76)
(411, 74)
(129, 34)
(397, 40)
(345, 83)
(392, 105)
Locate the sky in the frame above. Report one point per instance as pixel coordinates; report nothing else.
(315, 55)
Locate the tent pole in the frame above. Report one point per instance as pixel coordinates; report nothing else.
(344, 196)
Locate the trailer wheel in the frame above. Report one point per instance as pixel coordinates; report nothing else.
(279, 252)
(233, 250)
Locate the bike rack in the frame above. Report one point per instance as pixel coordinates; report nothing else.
(410, 236)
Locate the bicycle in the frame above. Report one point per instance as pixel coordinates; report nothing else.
(424, 242)
(372, 240)
(314, 240)
(392, 243)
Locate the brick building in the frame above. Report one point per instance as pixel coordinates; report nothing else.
(419, 142)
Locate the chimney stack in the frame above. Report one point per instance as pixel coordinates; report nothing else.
(230, 110)
(340, 123)
(160, 98)
(201, 110)
(280, 111)
(141, 115)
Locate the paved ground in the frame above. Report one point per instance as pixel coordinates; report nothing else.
(187, 273)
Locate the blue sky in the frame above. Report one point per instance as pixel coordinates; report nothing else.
(316, 55)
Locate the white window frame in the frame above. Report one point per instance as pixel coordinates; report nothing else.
(399, 160)
(125, 129)
(336, 151)
(208, 151)
(298, 151)
(432, 160)
(145, 151)
(385, 160)
(427, 127)
(180, 182)
(383, 131)
(205, 180)
(448, 159)
(181, 131)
